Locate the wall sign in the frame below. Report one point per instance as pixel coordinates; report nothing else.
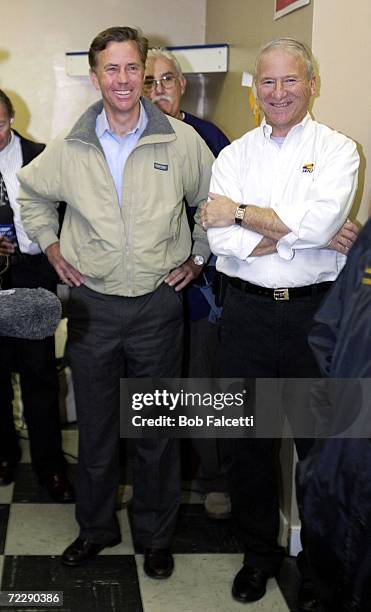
(283, 7)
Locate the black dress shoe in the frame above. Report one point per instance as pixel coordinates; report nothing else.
(6, 473)
(158, 563)
(58, 486)
(250, 584)
(307, 598)
(81, 551)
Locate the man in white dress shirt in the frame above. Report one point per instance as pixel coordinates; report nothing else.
(279, 196)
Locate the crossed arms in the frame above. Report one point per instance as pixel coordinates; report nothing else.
(220, 212)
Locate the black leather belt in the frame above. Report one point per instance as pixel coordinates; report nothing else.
(280, 294)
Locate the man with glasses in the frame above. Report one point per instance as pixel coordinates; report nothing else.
(124, 170)
(165, 85)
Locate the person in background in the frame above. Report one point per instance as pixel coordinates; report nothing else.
(124, 170)
(279, 196)
(23, 265)
(165, 85)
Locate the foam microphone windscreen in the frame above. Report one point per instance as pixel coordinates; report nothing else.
(29, 313)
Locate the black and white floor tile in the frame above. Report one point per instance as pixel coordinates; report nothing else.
(34, 532)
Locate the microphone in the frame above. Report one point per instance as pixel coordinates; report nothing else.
(32, 314)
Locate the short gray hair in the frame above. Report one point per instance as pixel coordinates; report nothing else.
(157, 52)
(290, 45)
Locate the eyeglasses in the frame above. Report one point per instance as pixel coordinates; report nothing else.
(167, 82)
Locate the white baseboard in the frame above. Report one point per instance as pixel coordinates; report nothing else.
(289, 536)
(294, 541)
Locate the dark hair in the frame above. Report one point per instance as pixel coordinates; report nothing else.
(117, 34)
(5, 101)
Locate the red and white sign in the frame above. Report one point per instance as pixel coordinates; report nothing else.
(282, 7)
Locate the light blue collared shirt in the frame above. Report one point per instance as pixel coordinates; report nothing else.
(117, 149)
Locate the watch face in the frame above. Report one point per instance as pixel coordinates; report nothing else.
(198, 260)
(239, 214)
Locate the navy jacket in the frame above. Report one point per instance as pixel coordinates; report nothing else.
(333, 482)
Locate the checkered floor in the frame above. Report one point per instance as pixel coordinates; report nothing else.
(34, 532)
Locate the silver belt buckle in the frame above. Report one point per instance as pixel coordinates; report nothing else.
(281, 294)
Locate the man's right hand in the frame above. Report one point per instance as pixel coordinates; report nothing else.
(67, 273)
(345, 238)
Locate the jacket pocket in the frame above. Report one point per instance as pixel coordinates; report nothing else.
(97, 259)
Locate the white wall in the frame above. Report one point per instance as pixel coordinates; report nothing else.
(35, 35)
(341, 43)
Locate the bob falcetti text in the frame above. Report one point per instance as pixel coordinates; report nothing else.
(182, 420)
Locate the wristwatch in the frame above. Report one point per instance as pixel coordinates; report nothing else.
(240, 213)
(199, 260)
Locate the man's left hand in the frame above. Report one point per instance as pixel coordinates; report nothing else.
(218, 212)
(182, 276)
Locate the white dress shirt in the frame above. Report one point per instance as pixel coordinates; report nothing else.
(10, 162)
(309, 181)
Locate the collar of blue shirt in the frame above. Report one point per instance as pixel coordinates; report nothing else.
(102, 125)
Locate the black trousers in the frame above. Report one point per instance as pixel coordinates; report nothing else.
(35, 362)
(262, 338)
(110, 337)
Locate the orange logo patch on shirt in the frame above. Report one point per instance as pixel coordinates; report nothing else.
(308, 168)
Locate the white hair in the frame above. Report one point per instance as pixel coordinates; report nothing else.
(290, 45)
(163, 52)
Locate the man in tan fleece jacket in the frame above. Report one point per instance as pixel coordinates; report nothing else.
(125, 251)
